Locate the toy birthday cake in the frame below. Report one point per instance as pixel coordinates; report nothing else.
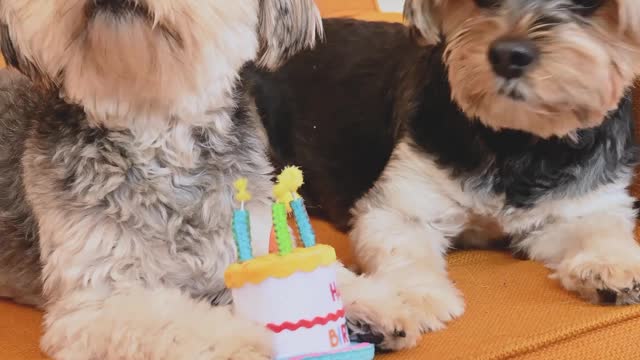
(292, 290)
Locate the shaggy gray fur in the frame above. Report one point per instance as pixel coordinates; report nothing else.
(179, 214)
(19, 258)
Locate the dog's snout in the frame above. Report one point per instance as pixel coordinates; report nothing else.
(510, 58)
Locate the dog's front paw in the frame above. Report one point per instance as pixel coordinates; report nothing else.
(238, 339)
(610, 280)
(146, 324)
(382, 312)
(377, 315)
(433, 303)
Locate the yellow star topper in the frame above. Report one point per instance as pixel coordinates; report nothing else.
(242, 194)
(291, 179)
(286, 188)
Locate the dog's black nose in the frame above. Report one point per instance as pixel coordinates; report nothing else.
(510, 58)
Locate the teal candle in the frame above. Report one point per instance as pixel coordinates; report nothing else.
(304, 224)
(242, 234)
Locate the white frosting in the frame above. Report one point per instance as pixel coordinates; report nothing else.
(301, 296)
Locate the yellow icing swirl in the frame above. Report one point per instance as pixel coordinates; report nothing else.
(259, 269)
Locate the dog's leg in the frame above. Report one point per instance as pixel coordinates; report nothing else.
(104, 284)
(590, 244)
(375, 312)
(401, 232)
(20, 254)
(405, 290)
(138, 323)
(22, 287)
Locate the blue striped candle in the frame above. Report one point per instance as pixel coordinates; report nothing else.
(303, 222)
(242, 234)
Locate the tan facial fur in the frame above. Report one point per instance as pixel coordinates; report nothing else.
(164, 57)
(585, 66)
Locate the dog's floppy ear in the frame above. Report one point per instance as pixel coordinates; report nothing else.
(287, 26)
(423, 19)
(9, 51)
(14, 59)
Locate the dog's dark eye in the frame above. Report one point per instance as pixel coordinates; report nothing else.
(586, 7)
(488, 4)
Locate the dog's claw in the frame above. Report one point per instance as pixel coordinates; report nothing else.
(363, 333)
(607, 296)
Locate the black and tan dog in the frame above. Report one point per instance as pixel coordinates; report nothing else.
(500, 119)
(119, 145)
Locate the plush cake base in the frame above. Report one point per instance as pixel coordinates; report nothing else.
(296, 297)
(300, 310)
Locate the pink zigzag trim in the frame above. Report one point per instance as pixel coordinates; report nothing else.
(306, 323)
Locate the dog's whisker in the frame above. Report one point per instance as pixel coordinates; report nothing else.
(543, 77)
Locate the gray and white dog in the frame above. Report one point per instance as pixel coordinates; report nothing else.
(118, 151)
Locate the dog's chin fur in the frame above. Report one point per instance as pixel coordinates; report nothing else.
(418, 173)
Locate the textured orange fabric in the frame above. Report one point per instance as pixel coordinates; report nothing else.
(514, 311)
(581, 347)
(379, 16)
(19, 332)
(347, 7)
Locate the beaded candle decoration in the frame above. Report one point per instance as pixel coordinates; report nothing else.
(240, 225)
(292, 291)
